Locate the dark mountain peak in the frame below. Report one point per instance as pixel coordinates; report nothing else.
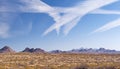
(38, 50)
(101, 49)
(58, 51)
(6, 49)
(26, 49)
(32, 50)
(91, 50)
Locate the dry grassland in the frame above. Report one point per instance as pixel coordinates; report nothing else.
(59, 61)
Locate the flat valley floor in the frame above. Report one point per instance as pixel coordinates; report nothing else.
(59, 61)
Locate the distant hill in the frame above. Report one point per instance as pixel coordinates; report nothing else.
(6, 49)
(94, 51)
(57, 51)
(32, 50)
(89, 50)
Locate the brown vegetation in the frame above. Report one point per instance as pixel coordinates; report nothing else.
(59, 61)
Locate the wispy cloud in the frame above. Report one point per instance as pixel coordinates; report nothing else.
(37, 6)
(103, 11)
(4, 30)
(69, 26)
(26, 6)
(29, 6)
(76, 13)
(5, 21)
(11, 25)
(109, 26)
(73, 23)
(72, 15)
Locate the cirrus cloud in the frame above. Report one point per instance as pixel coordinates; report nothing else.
(74, 14)
(70, 18)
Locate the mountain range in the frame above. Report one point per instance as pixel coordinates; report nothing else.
(7, 49)
(32, 50)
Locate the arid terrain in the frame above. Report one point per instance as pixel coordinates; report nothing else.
(59, 61)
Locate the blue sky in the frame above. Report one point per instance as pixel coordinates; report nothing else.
(60, 24)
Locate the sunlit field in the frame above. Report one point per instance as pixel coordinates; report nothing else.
(59, 61)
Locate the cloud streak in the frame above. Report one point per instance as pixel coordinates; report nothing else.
(25, 6)
(4, 29)
(5, 22)
(11, 25)
(103, 11)
(70, 25)
(109, 26)
(72, 15)
(37, 6)
(29, 6)
(76, 13)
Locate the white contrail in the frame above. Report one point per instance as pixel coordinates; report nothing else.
(4, 28)
(41, 7)
(84, 8)
(69, 20)
(70, 25)
(30, 6)
(37, 6)
(96, 11)
(103, 11)
(108, 26)
(27, 6)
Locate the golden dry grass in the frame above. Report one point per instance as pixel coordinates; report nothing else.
(59, 61)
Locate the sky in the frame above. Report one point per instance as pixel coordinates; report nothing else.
(60, 24)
